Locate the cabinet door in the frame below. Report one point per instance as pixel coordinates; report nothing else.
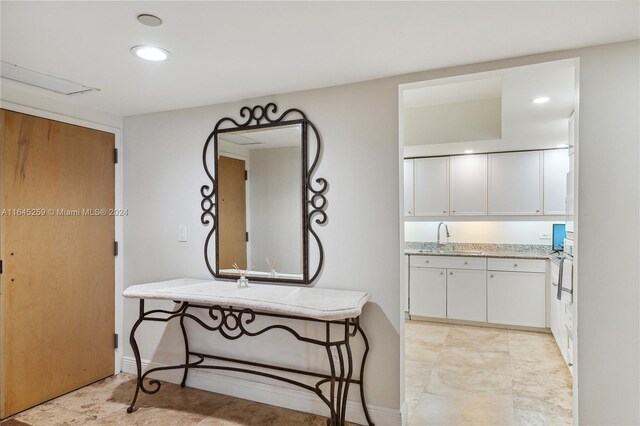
(431, 186)
(516, 298)
(408, 187)
(407, 276)
(468, 188)
(467, 295)
(515, 183)
(428, 292)
(556, 167)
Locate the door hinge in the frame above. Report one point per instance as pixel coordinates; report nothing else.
(0, 266)
(247, 236)
(246, 175)
(115, 155)
(115, 341)
(115, 248)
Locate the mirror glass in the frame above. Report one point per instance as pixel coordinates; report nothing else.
(260, 206)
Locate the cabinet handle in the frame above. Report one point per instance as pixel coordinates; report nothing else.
(450, 273)
(444, 211)
(466, 263)
(453, 211)
(515, 265)
(426, 261)
(554, 284)
(441, 273)
(491, 276)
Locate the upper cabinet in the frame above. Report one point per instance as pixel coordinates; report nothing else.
(524, 183)
(515, 183)
(556, 167)
(408, 187)
(431, 186)
(468, 189)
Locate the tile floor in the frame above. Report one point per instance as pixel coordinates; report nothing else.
(455, 375)
(458, 375)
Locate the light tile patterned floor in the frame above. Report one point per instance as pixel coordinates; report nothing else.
(459, 375)
(455, 375)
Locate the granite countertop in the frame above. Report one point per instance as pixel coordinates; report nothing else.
(507, 251)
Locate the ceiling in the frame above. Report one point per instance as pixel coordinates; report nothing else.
(225, 51)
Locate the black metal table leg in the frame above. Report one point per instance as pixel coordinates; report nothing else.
(136, 353)
(186, 346)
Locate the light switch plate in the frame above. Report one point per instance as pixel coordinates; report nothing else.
(182, 233)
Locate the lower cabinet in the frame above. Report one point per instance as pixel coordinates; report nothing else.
(466, 295)
(428, 289)
(491, 290)
(516, 298)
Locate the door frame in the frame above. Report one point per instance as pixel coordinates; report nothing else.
(119, 259)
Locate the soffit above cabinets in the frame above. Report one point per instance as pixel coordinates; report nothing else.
(490, 111)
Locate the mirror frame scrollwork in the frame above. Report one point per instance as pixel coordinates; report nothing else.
(314, 201)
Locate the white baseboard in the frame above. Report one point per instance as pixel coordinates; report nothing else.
(404, 412)
(293, 399)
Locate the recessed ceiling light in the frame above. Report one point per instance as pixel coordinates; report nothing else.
(562, 145)
(540, 100)
(149, 20)
(468, 151)
(150, 53)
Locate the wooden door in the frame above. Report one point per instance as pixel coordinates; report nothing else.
(431, 186)
(232, 213)
(469, 185)
(57, 284)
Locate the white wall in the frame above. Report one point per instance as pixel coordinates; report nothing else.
(359, 126)
(275, 201)
(482, 232)
(458, 122)
(164, 175)
(608, 229)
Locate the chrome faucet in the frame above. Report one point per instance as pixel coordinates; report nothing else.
(446, 228)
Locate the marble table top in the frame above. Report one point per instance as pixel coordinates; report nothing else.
(310, 302)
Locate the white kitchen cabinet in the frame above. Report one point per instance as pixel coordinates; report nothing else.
(428, 292)
(467, 295)
(516, 298)
(468, 185)
(555, 310)
(407, 277)
(408, 187)
(431, 186)
(556, 167)
(515, 183)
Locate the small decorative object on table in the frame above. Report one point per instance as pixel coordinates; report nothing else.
(243, 281)
(272, 268)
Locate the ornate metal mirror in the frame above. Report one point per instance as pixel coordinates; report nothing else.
(263, 198)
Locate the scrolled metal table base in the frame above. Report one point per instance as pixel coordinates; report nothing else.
(233, 323)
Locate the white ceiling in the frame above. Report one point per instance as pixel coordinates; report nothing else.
(224, 51)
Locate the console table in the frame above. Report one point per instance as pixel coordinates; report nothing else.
(231, 310)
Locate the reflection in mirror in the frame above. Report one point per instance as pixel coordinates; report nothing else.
(260, 219)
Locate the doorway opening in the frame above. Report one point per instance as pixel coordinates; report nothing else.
(488, 164)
